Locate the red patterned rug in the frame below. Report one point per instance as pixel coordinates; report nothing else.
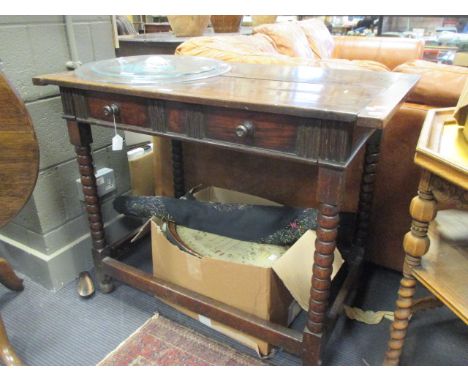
(161, 342)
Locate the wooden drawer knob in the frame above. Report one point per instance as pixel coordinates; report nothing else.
(245, 129)
(112, 109)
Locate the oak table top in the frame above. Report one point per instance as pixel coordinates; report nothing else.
(442, 148)
(367, 98)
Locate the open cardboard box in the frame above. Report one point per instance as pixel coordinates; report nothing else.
(268, 293)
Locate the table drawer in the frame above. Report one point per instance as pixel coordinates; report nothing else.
(132, 112)
(291, 136)
(260, 130)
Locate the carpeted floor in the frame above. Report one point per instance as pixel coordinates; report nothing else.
(60, 328)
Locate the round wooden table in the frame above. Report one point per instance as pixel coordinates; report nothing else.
(19, 166)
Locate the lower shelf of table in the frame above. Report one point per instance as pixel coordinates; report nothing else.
(444, 272)
(288, 339)
(342, 291)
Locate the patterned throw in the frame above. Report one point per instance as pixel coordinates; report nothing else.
(276, 225)
(161, 342)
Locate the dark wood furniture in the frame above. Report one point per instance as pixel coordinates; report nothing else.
(157, 27)
(442, 152)
(9, 279)
(315, 116)
(19, 166)
(159, 43)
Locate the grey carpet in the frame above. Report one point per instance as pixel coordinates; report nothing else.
(59, 328)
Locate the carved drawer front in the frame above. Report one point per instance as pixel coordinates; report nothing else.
(298, 137)
(260, 130)
(131, 112)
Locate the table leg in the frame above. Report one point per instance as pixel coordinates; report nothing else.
(415, 244)
(8, 276)
(329, 193)
(178, 168)
(11, 281)
(366, 194)
(8, 355)
(81, 138)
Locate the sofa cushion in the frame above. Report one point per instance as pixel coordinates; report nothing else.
(440, 85)
(258, 43)
(254, 49)
(259, 49)
(386, 50)
(319, 37)
(289, 39)
(337, 63)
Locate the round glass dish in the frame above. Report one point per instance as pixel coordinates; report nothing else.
(151, 69)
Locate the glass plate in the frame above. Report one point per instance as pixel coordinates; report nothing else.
(151, 69)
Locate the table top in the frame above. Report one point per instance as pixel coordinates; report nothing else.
(366, 97)
(442, 148)
(170, 37)
(19, 162)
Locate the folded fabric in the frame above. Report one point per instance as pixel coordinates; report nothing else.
(368, 316)
(276, 225)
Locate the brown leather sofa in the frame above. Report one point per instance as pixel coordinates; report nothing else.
(309, 43)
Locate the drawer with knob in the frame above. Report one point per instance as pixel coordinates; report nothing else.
(268, 131)
(131, 112)
(294, 137)
(260, 130)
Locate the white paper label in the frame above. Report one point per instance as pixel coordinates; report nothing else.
(117, 143)
(204, 320)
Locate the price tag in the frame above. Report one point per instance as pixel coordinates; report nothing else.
(117, 143)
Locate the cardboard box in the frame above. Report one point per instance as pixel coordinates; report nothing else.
(253, 289)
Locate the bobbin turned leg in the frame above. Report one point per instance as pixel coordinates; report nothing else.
(81, 138)
(415, 244)
(329, 193)
(366, 194)
(178, 168)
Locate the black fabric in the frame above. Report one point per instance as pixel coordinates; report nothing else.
(262, 224)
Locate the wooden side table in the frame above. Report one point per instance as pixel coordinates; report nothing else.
(311, 115)
(442, 152)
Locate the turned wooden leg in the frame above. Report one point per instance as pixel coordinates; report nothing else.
(8, 355)
(366, 194)
(356, 257)
(415, 244)
(178, 168)
(8, 276)
(329, 192)
(81, 138)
